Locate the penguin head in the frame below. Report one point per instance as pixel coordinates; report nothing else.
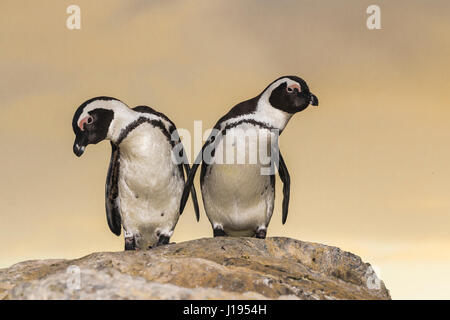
(91, 122)
(290, 94)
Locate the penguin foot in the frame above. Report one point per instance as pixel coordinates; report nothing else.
(130, 243)
(261, 233)
(218, 232)
(163, 240)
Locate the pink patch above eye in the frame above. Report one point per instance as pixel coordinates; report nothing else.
(82, 122)
(295, 86)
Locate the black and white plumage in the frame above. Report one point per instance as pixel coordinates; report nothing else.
(238, 199)
(144, 184)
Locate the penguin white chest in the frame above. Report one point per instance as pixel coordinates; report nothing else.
(150, 184)
(237, 192)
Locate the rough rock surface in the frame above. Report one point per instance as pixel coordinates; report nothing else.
(214, 268)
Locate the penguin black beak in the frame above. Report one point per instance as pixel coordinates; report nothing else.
(313, 100)
(79, 145)
(78, 150)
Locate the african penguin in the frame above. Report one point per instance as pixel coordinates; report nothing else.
(237, 196)
(143, 185)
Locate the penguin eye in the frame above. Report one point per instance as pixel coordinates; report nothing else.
(90, 120)
(291, 88)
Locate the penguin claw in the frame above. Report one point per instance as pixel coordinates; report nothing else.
(219, 232)
(261, 233)
(130, 243)
(163, 240)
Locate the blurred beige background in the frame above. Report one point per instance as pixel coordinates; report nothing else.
(370, 167)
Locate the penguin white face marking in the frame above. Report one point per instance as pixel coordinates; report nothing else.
(289, 94)
(291, 85)
(103, 118)
(276, 104)
(91, 123)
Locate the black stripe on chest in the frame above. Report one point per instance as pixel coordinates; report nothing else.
(262, 125)
(155, 123)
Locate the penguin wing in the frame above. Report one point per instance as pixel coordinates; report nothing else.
(211, 143)
(193, 192)
(112, 192)
(286, 179)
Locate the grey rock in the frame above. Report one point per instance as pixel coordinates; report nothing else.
(213, 268)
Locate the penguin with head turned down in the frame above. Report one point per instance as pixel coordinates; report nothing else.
(144, 184)
(238, 197)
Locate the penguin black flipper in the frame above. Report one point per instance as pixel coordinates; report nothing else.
(193, 192)
(112, 192)
(186, 167)
(286, 179)
(190, 184)
(212, 140)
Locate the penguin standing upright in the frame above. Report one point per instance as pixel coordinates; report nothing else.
(239, 196)
(144, 184)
